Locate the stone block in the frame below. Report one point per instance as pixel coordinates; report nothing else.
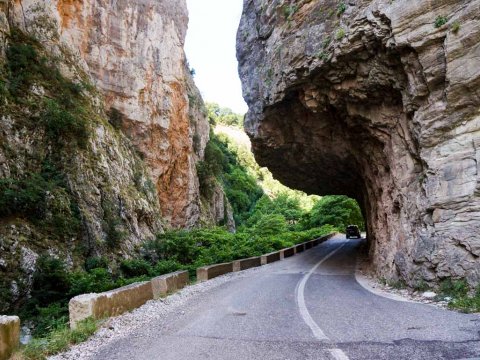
(165, 284)
(212, 271)
(270, 258)
(285, 253)
(245, 264)
(9, 335)
(110, 303)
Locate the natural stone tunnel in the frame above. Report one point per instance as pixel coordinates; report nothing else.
(374, 106)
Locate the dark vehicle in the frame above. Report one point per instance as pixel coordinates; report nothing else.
(353, 231)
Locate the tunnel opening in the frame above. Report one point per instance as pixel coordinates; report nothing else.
(347, 131)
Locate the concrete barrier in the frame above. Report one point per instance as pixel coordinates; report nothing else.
(212, 271)
(308, 245)
(245, 264)
(270, 258)
(165, 284)
(299, 248)
(285, 253)
(110, 303)
(9, 335)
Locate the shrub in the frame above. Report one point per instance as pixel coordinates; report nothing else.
(454, 288)
(340, 34)
(455, 26)
(440, 21)
(165, 267)
(62, 124)
(96, 280)
(271, 224)
(135, 267)
(50, 281)
(342, 7)
(96, 263)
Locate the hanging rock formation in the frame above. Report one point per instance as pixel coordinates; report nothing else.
(377, 100)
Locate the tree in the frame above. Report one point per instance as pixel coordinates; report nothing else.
(339, 211)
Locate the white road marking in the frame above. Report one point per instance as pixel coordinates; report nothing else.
(338, 354)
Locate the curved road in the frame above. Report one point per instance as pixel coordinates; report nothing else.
(305, 307)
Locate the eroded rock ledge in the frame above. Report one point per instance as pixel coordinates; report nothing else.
(377, 100)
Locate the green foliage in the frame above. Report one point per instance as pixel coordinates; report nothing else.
(341, 8)
(93, 281)
(58, 340)
(223, 116)
(340, 34)
(23, 62)
(50, 281)
(271, 224)
(440, 21)
(165, 267)
(458, 291)
(135, 267)
(96, 263)
(455, 26)
(339, 211)
(454, 288)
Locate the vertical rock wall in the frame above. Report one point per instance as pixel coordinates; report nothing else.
(146, 124)
(377, 100)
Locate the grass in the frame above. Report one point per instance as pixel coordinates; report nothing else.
(340, 34)
(58, 340)
(455, 27)
(461, 298)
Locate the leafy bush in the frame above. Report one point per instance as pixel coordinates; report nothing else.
(135, 267)
(440, 21)
(95, 281)
(96, 263)
(60, 123)
(50, 281)
(342, 7)
(271, 224)
(165, 267)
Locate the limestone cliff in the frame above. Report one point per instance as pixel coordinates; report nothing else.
(377, 100)
(101, 128)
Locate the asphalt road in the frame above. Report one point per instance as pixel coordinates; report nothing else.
(305, 307)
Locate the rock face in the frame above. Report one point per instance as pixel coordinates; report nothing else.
(133, 50)
(377, 100)
(136, 173)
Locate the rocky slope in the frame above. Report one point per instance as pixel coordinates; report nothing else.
(101, 127)
(377, 100)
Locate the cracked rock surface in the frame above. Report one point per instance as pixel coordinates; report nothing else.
(377, 100)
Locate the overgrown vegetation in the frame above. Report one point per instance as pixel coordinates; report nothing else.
(459, 295)
(218, 115)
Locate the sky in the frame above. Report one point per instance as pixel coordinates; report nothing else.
(210, 48)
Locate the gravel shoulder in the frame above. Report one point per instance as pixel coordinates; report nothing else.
(123, 326)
